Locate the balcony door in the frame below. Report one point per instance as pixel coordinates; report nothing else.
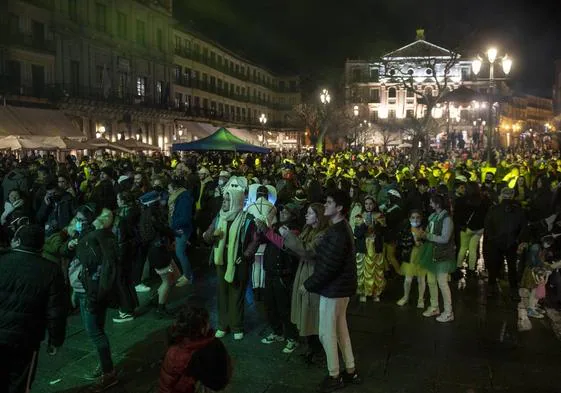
(38, 80)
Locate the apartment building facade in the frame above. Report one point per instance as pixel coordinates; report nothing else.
(117, 68)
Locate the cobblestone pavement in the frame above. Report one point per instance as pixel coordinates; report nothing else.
(396, 349)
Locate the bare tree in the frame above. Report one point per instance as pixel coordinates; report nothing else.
(387, 132)
(429, 88)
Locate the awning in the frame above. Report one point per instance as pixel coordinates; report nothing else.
(15, 120)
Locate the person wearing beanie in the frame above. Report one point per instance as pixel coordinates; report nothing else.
(33, 301)
(103, 194)
(234, 240)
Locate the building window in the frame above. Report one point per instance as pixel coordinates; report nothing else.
(391, 114)
(465, 73)
(178, 74)
(99, 76)
(374, 95)
(160, 39)
(205, 103)
(159, 92)
(122, 25)
(141, 32)
(374, 74)
(410, 93)
(392, 92)
(410, 113)
(13, 69)
(74, 76)
(243, 114)
(212, 58)
(141, 86)
(205, 54)
(100, 17)
(123, 82)
(38, 80)
(374, 116)
(177, 43)
(73, 10)
(178, 100)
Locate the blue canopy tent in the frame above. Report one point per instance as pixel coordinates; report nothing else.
(221, 140)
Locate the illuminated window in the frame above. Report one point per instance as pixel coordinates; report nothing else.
(141, 86)
(392, 92)
(391, 114)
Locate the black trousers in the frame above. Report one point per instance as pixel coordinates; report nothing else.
(494, 255)
(139, 261)
(278, 295)
(17, 367)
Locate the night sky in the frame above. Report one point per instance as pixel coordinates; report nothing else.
(313, 38)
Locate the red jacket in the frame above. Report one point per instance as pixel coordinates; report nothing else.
(173, 378)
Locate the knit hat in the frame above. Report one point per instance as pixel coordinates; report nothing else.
(395, 193)
(108, 171)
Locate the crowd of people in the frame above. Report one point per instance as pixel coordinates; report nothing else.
(305, 232)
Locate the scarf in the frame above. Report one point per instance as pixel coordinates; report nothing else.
(236, 217)
(204, 182)
(171, 202)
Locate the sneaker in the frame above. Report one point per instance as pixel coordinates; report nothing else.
(351, 379)
(272, 338)
(123, 317)
(182, 281)
(362, 299)
(533, 313)
(540, 310)
(105, 382)
(220, 334)
(290, 346)
(238, 336)
(403, 301)
(421, 304)
(445, 317)
(94, 375)
(431, 312)
(142, 288)
(330, 384)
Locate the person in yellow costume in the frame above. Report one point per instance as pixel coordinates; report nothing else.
(370, 257)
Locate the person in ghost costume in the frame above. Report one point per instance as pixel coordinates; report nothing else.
(261, 205)
(234, 242)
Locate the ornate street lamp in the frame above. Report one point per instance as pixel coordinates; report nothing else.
(506, 63)
(263, 121)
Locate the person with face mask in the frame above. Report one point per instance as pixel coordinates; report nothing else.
(409, 246)
(33, 302)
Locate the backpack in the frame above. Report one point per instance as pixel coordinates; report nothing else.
(146, 228)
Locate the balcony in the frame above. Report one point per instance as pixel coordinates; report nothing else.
(197, 57)
(207, 87)
(47, 4)
(27, 41)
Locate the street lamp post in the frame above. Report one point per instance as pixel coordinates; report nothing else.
(263, 121)
(356, 113)
(506, 63)
(325, 99)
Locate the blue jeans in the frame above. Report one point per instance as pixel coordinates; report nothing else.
(181, 253)
(94, 323)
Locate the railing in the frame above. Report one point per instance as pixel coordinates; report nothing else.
(195, 56)
(48, 4)
(28, 41)
(207, 87)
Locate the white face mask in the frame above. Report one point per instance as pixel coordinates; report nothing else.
(415, 223)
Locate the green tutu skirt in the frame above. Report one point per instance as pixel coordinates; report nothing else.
(428, 263)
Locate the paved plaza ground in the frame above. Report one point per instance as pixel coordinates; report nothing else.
(396, 349)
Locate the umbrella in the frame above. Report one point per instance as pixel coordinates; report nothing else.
(135, 144)
(13, 142)
(102, 143)
(63, 143)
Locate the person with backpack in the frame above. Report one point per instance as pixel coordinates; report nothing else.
(95, 272)
(195, 356)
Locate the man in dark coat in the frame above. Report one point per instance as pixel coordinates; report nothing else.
(56, 209)
(32, 301)
(503, 226)
(335, 280)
